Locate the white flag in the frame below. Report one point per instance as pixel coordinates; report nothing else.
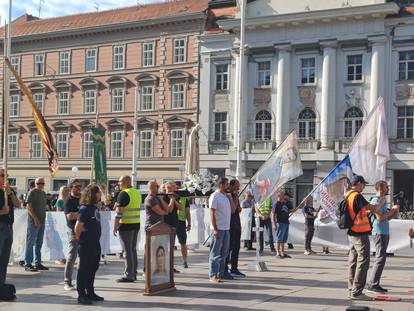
(370, 152)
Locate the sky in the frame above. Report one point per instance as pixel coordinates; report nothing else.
(53, 8)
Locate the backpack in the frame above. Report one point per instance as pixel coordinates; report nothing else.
(7, 292)
(344, 219)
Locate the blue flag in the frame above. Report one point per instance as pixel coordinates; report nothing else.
(332, 188)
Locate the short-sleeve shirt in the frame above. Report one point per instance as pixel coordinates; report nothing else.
(220, 202)
(71, 205)
(309, 210)
(359, 203)
(172, 217)
(123, 200)
(58, 204)
(381, 227)
(37, 198)
(7, 218)
(151, 217)
(281, 209)
(90, 217)
(247, 203)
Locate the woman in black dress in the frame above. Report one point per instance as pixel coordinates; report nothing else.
(88, 233)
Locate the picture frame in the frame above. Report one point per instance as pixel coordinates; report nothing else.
(159, 259)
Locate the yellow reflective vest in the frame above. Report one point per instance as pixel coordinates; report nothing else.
(181, 211)
(131, 214)
(266, 207)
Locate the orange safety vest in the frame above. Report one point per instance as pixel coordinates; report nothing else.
(361, 222)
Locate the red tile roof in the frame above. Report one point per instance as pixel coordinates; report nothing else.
(28, 25)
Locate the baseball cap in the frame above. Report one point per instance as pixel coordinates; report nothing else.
(358, 179)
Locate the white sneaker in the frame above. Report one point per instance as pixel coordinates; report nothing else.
(307, 253)
(68, 287)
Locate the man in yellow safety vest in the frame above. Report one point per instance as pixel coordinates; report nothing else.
(264, 212)
(127, 223)
(184, 225)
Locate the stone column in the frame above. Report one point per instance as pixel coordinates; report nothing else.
(283, 93)
(328, 98)
(377, 80)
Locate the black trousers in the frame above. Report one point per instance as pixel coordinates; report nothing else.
(89, 257)
(235, 235)
(309, 231)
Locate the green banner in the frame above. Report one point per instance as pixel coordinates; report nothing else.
(99, 157)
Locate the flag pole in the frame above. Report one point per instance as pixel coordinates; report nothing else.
(135, 140)
(6, 100)
(380, 99)
(93, 148)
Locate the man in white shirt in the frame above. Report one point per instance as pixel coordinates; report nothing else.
(220, 204)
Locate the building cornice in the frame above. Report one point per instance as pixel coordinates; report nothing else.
(159, 22)
(326, 16)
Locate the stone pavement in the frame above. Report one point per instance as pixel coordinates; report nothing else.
(301, 283)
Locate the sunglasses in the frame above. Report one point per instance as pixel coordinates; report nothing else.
(40, 183)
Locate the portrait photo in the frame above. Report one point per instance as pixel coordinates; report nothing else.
(160, 259)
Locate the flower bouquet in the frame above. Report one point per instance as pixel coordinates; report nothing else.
(202, 184)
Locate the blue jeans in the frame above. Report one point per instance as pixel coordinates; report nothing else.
(6, 240)
(219, 250)
(34, 239)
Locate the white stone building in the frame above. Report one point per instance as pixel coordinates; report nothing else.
(317, 66)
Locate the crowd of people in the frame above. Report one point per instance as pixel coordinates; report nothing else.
(81, 208)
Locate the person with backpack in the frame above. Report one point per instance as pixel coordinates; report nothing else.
(380, 236)
(359, 229)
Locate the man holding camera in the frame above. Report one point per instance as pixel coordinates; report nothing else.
(380, 236)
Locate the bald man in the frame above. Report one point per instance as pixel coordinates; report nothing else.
(127, 223)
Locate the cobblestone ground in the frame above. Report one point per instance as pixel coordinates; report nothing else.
(301, 283)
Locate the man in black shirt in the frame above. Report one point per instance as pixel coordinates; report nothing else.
(172, 217)
(6, 226)
(281, 223)
(71, 209)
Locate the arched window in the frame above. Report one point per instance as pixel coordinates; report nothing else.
(263, 122)
(307, 124)
(352, 121)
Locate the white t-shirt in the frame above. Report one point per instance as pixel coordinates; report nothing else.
(221, 204)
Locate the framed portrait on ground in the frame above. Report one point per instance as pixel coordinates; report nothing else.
(159, 259)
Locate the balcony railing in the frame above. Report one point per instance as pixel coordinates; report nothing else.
(215, 146)
(260, 146)
(308, 145)
(342, 145)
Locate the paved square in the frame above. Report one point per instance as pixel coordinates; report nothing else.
(300, 283)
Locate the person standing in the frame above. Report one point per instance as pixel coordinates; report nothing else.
(155, 208)
(264, 212)
(71, 209)
(281, 223)
(380, 236)
(127, 223)
(310, 215)
(63, 194)
(88, 232)
(183, 226)
(220, 215)
(358, 236)
(36, 208)
(235, 233)
(6, 225)
(248, 203)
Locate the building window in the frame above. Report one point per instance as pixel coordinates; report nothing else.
(307, 122)
(62, 144)
(354, 67)
(147, 102)
(15, 62)
(116, 144)
(220, 126)
(39, 99)
(87, 148)
(148, 54)
(263, 71)
(39, 69)
(222, 77)
(90, 101)
(179, 51)
(178, 95)
(117, 100)
(405, 121)
(307, 66)
(13, 145)
(145, 144)
(14, 105)
(352, 122)
(64, 62)
(63, 102)
(177, 143)
(36, 146)
(406, 66)
(91, 60)
(119, 57)
(263, 122)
